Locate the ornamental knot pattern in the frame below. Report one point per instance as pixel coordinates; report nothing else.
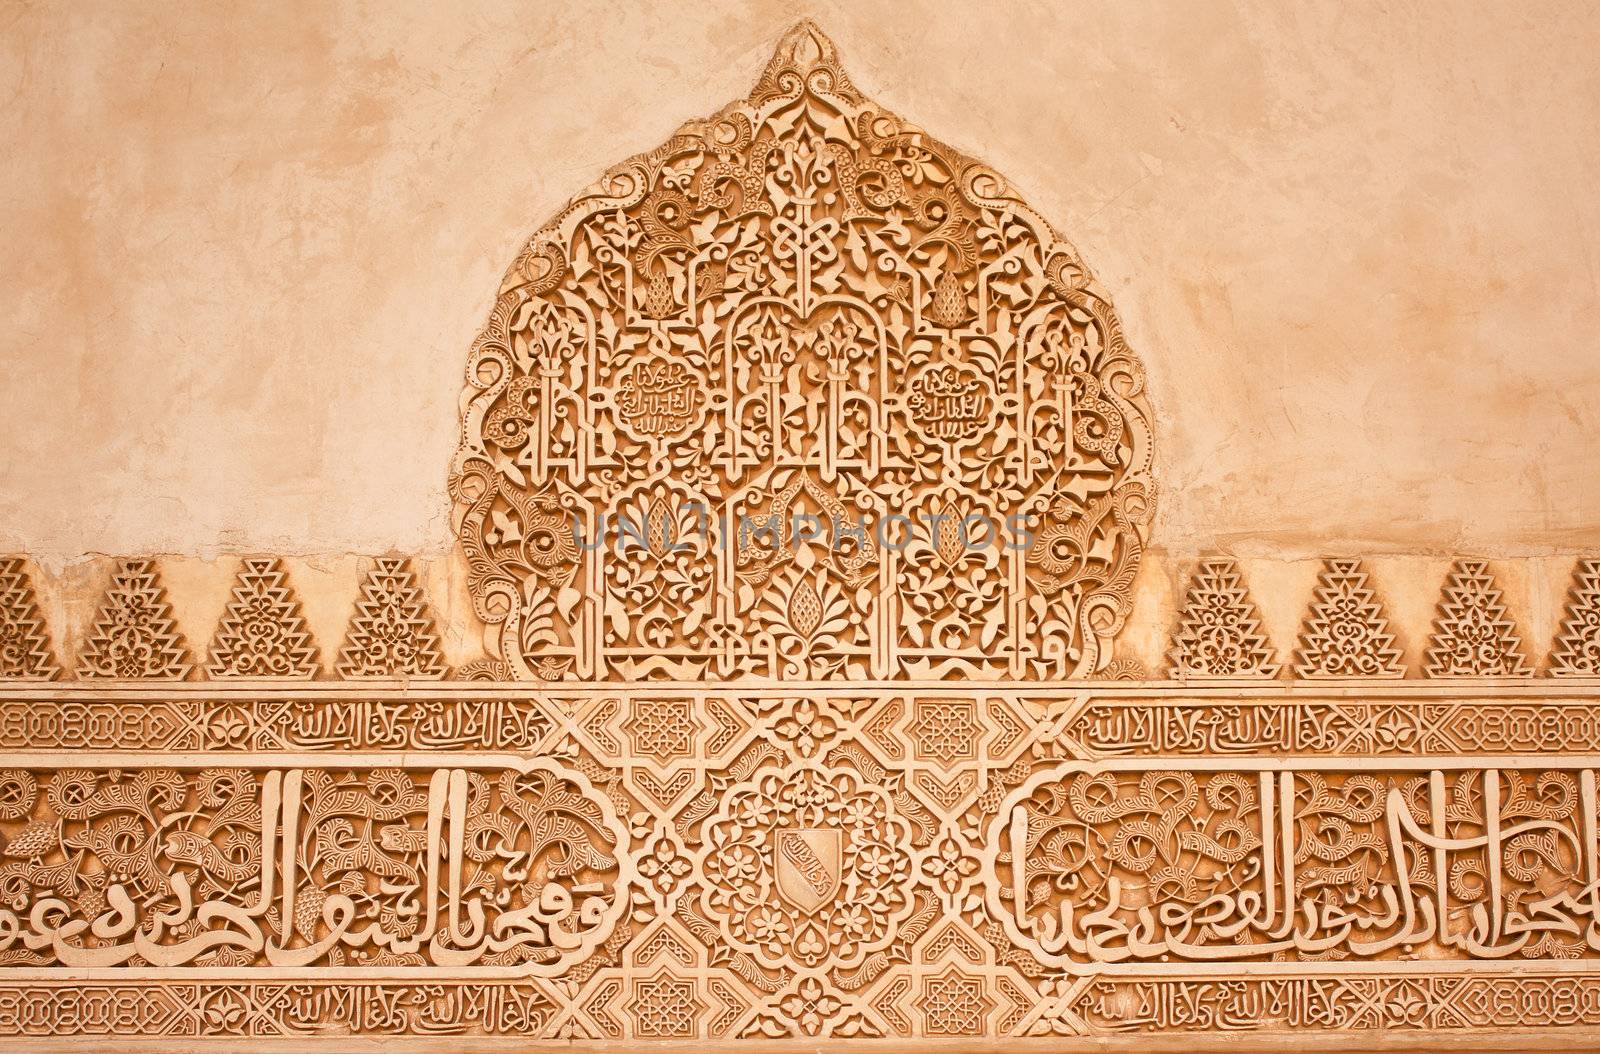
(802, 394)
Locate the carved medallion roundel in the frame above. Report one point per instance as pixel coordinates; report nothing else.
(802, 394)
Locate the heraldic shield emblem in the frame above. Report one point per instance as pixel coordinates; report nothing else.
(808, 865)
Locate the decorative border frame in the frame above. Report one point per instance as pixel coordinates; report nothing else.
(1312, 726)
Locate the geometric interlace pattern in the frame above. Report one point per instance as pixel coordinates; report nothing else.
(804, 474)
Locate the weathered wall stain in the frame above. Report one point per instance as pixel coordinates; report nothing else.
(249, 246)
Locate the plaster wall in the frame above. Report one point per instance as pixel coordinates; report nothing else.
(1355, 245)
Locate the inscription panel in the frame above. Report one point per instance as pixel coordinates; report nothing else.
(720, 863)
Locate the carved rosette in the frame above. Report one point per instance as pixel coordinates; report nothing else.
(808, 867)
(802, 394)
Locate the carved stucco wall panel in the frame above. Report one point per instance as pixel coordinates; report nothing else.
(801, 317)
(721, 788)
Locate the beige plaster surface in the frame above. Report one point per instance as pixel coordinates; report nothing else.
(249, 245)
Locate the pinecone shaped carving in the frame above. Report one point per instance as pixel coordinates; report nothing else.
(135, 635)
(1346, 633)
(1219, 633)
(1473, 635)
(949, 306)
(392, 632)
(1576, 652)
(262, 633)
(24, 639)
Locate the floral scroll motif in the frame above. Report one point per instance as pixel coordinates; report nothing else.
(802, 306)
(307, 868)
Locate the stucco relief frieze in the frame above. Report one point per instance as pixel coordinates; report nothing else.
(712, 862)
(803, 478)
(803, 394)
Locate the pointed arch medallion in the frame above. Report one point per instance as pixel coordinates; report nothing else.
(802, 394)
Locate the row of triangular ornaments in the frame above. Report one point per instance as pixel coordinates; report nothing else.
(1346, 633)
(262, 634)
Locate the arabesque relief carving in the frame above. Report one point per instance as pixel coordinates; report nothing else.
(1474, 635)
(802, 394)
(262, 632)
(803, 479)
(135, 635)
(391, 633)
(1346, 632)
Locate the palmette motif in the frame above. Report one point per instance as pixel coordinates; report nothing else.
(802, 394)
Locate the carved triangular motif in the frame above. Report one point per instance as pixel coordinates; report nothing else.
(24, 638)
(262, 633)
(1346, 633)
(1473, 635)
(1219, 633)
(135, 635)
(392, 632)
(1576, 652)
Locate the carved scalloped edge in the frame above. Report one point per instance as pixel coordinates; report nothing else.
(25, 652)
